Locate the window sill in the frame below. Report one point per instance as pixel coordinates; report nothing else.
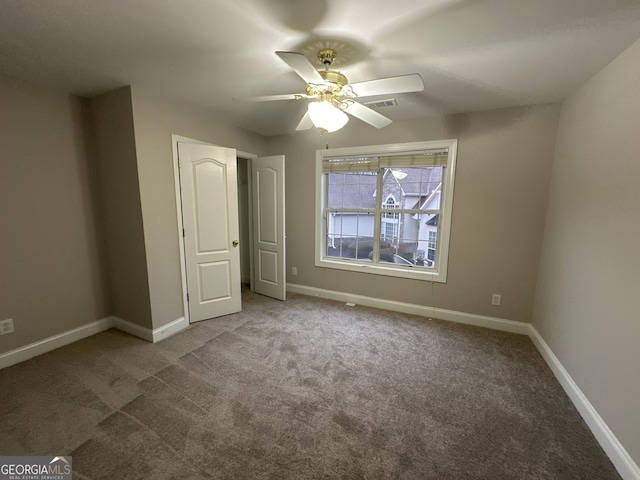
(413, 273)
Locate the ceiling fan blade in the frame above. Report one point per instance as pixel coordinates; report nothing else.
(271, 98)
(302, 66)
(305, 123)
(368, 115)
(388, 86)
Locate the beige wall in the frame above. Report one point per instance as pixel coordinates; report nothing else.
(502, 179)
(155, 120)
(588, 295)
(121, 213)
(50, 261)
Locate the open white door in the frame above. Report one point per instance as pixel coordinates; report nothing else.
(210, 219)
(267, 174)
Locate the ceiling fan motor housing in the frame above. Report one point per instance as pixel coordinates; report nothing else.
(333, 84)
(336, 78)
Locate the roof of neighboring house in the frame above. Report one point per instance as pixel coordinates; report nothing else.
(434, 193)
(415, 183)
(359, 190)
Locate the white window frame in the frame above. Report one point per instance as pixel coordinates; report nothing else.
(437, 274)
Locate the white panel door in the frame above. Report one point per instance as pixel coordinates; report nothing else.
(210, 219)
(267, 176)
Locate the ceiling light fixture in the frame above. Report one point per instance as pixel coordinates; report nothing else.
(331, 95)
(399, 174)
(326, 116)
(327, 112)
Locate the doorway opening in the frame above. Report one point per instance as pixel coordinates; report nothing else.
(230, 208)
(244, 220)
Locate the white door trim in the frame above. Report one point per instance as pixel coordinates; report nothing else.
(176, 181)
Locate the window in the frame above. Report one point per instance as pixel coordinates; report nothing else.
(390, 204)
(386, 209)
(431, 246)
(390, 230)
(390, 220)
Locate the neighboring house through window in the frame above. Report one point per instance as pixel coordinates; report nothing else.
(386, 209)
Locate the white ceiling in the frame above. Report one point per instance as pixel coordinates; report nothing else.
(472, 54)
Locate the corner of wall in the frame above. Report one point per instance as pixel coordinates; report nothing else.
(116, 156)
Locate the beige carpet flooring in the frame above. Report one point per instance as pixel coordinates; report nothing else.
(302, 389)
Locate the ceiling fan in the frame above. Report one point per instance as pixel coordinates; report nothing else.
(332, 95)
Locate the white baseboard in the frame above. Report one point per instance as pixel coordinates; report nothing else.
(149, 335)
(413, 309)
(133, 329)
(618, 455)
(43, 346)
(48, 344)
(169, 329)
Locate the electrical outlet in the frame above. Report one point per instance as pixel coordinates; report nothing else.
(496, 299)
(294, 270)
(6, 326)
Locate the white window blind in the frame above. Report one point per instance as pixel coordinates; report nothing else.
(373, 164)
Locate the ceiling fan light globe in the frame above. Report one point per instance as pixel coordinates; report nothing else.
(327, 117)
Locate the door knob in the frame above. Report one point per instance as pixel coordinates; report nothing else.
(235, 243)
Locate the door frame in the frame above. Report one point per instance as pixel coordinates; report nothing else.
(176, 180)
